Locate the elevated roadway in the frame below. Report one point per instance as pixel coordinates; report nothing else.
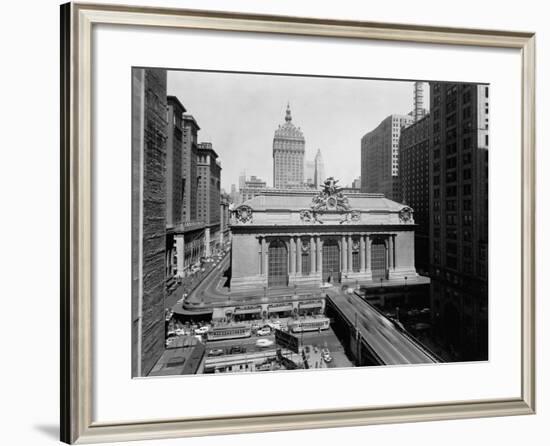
(372, 335)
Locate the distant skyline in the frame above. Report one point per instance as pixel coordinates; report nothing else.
(239, 113)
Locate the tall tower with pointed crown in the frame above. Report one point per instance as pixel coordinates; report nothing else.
(289, 146)
(319, 170)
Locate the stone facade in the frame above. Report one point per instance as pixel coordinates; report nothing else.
(306, 238)
(149, 217)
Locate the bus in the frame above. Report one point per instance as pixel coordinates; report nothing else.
(222, 332)
(309, 324)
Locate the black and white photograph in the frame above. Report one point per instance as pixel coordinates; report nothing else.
(285, 222)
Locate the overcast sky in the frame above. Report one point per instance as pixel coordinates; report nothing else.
(239, 113)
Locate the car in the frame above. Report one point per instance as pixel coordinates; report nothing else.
(201, 330)
(264, 331)
(215, 352)
(325, 354)
(275, 325)
(264, 343)
(236, 349)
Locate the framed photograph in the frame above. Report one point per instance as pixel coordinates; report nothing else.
(274, 223)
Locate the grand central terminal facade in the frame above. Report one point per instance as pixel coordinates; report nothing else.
(286, 238)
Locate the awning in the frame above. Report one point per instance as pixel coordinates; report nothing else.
(311, 305)
(248, 310)
(277, 308)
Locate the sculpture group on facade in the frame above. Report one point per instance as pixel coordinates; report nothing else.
(330, 198)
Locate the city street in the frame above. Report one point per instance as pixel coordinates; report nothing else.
(325, 339)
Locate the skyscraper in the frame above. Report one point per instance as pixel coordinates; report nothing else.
(189, 168)
(419, 110)
(458, 179)
(380, 157)
(174, 157)
(288, 155)
(208, 194)
(414, 148)
(242, 179)
(309, 173)
(319, 169)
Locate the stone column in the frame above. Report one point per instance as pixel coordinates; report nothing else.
(292, 255)
(265, 257)
(350, 253)
(299, 256)
(344, 254)
(390, 252)
(369, 254)
(319, 255)
(262, 256)
(312, 254)
(394, 254)
(362, 248)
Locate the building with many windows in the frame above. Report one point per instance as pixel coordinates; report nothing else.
(458, 182)
(174, 162)
(189, 168)
(186, 235)
(305, 238)
(208, 194)
(380, 157)
(288, 155)
(414, 151)
(252, 187)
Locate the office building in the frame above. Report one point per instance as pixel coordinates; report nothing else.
(208, 194)
(288, 155)
(458, 180)
(380, 157)
(252, 187)
(414, 148)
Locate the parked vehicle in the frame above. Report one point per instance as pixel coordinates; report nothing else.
(215, 352)
(264, 343)
(325, 354)
(202, 330)
(264, 331)
(236, 349)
